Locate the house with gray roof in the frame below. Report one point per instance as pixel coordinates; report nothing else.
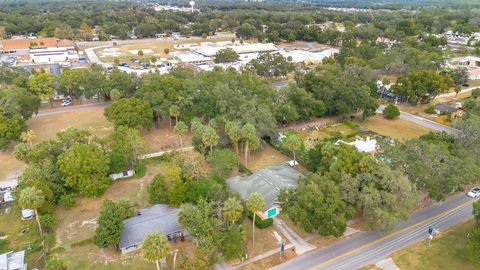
(158, 218)
(268, 182)
(13, 261)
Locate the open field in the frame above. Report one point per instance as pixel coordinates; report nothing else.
(91, 119)
(157, 48)
(447, 252)
(396, 128)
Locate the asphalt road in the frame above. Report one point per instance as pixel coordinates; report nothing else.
(370, 247)
(427, 123)
(71, 108)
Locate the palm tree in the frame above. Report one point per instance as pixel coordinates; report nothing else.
(232, 209)
(234, 132)
(255, 203)
(251, 141)
(209, 137)
(181, 130)
(174, 112)
(32, 198)
(292, 142)
(155, 248)
(28, 136)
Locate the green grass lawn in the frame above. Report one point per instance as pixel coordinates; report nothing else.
(447, 252)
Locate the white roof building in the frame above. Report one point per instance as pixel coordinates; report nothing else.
(367, 146)
(212, 49)
(13, 261)
(192, 58)
(301, 56)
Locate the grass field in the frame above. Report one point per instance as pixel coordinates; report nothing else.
(396, 128)
(91, 119)
(447, 252)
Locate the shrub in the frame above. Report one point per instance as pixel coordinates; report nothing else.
(67, 200)
(54, 263)
(49, 222)
(157, 191)
(391, 112)
(83, 242)
(140, 169)
(260, 223)
(476, 93)
(243, 169)
(4, 246)
(430, 110)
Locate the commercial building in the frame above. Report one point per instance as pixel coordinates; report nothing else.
(158, 218)
(268, 182)
(39, 50)
(211, 49)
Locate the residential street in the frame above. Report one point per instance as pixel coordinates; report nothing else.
(426, 123)
(371, 247)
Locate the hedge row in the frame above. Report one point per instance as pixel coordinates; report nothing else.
(260, 223)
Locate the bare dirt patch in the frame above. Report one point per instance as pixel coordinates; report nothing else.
(264, 157)
(163, 138)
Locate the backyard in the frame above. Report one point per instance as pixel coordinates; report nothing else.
(20, 235)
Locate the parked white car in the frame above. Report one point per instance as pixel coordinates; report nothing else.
(66, 102)
(7, 197)
(474, 192)
(28, 214)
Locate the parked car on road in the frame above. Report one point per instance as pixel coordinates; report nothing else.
(474, 192)
(66, 102)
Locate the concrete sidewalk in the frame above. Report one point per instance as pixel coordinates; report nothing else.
(301, 246)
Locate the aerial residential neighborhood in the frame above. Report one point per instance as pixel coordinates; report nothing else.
(239, 134)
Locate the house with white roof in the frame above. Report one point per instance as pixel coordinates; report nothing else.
(13, 261)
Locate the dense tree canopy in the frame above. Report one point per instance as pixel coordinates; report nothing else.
(130, 112)
(317, 205)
